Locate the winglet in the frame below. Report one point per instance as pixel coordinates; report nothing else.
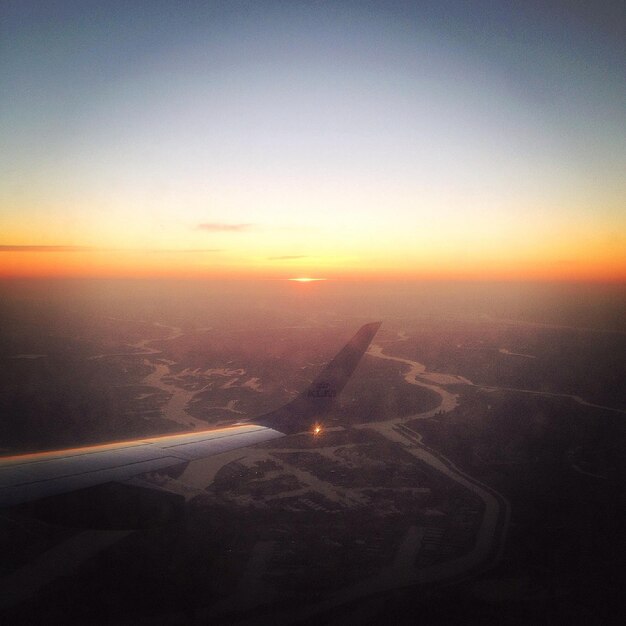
(319, 398)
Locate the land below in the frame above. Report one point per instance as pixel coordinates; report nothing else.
(469, 474)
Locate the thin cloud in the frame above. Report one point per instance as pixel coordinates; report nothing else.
(45, 248)
(287, 257)
(28, 248)
(184, 250)
(215, 227)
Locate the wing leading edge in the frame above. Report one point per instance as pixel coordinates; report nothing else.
(29, 477)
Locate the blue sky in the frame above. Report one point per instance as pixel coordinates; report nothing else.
(350, 135)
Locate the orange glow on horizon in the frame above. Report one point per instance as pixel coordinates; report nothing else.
(591, 265)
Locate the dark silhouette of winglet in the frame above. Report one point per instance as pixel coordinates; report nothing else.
(320, 397)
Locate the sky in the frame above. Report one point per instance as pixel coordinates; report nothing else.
(446, 140)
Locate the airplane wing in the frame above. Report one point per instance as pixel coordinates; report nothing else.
(30, 477)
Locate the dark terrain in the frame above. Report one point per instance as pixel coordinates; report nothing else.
(326, 529)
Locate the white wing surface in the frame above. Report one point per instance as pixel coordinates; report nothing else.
(32, 476)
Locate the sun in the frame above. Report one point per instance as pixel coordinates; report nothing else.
(306, 279)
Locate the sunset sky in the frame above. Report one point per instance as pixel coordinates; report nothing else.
(326, 139)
